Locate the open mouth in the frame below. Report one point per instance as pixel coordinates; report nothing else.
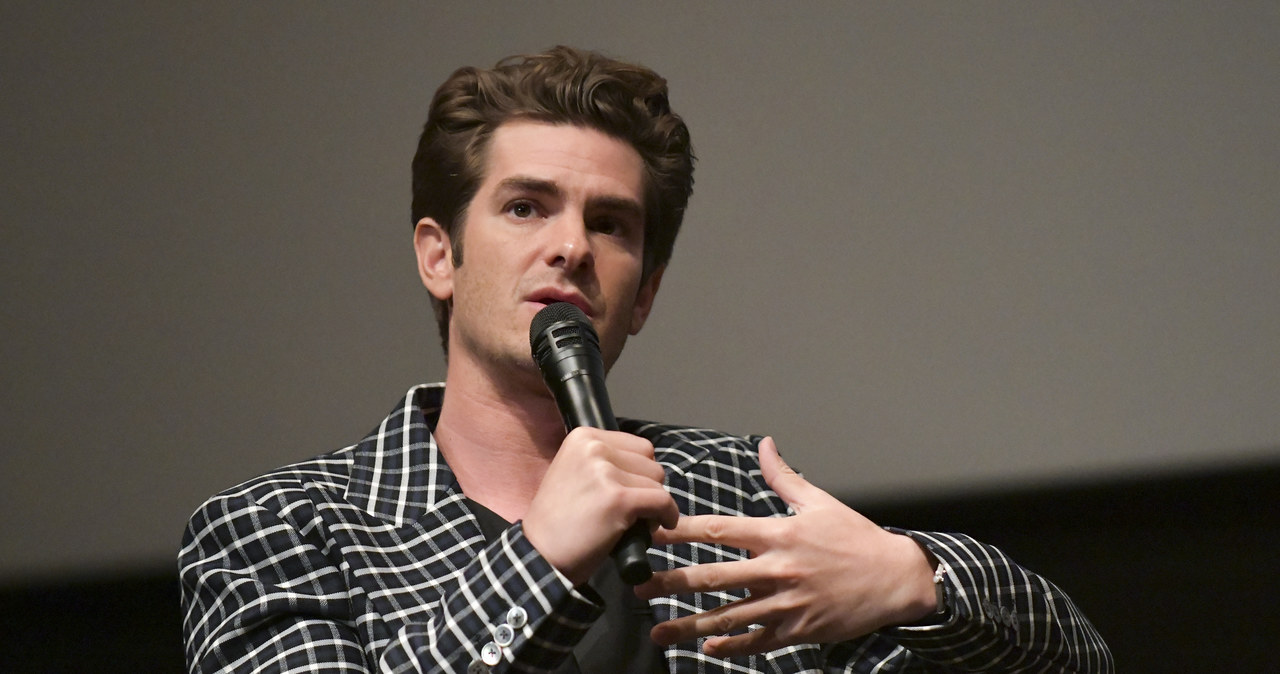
(551, 297)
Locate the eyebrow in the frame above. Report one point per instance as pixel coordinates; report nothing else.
(527, 184)
(623, 205)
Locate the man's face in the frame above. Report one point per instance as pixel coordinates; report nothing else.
(559, 216)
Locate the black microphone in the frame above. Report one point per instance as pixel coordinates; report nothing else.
(567, 350)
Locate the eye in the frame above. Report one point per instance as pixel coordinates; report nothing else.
(605, 225)
(522, 210)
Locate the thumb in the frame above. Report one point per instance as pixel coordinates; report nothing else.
(787, 483)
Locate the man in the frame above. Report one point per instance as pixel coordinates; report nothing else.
(470, 533)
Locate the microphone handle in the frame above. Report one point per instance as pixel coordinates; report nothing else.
(631, 554)
(583, 402)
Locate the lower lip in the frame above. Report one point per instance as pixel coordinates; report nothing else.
(539, 305)
(536, 307)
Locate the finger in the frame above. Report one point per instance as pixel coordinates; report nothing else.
(643, 501)
(593, 440)
(788, 484)
(637, 464)
(629, 479)
(704, 578)
(748, 533)
(665, 512)
(631, 495)
(721, 620)
(633, 444)
(761, 640)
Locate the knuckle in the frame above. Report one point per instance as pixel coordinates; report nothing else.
(785, 534)
(723, 623)
(580, 434)
(786, 570)
(708, 578)
(600, 472)
(716, 530)
(635, 445)
(791, 603)
(596, 447)
(616, 500)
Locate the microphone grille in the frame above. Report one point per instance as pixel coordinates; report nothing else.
(559, 312)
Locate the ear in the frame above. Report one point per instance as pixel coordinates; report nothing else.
(644, 299)
(435, 258)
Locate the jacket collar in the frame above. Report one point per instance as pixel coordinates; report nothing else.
(398, 472)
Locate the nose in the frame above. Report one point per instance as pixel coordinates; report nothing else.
(569, 245)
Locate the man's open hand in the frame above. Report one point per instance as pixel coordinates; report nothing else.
(826, 574)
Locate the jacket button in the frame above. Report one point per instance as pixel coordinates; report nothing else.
(517, 617)
(504, 635)
(491, 654)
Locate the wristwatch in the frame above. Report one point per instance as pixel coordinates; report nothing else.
(940, 587)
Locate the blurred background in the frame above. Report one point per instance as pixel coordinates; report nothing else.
(1005, 268)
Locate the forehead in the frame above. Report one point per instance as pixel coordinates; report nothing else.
(575, 158)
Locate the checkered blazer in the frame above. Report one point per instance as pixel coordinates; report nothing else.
(367, 559)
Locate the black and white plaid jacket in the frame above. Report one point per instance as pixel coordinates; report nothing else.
(367, 559)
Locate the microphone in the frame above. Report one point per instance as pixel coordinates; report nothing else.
(567, 350)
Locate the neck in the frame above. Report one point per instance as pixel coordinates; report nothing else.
(498, 434)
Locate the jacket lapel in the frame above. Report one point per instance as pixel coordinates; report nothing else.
(680, 458)
(397, 470)
(399, 475)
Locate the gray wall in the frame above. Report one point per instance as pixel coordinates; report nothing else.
(933, 246)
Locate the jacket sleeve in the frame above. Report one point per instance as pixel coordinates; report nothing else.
(1000, 617)
(264, 589)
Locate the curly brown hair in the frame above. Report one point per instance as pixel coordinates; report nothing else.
(563, 86)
